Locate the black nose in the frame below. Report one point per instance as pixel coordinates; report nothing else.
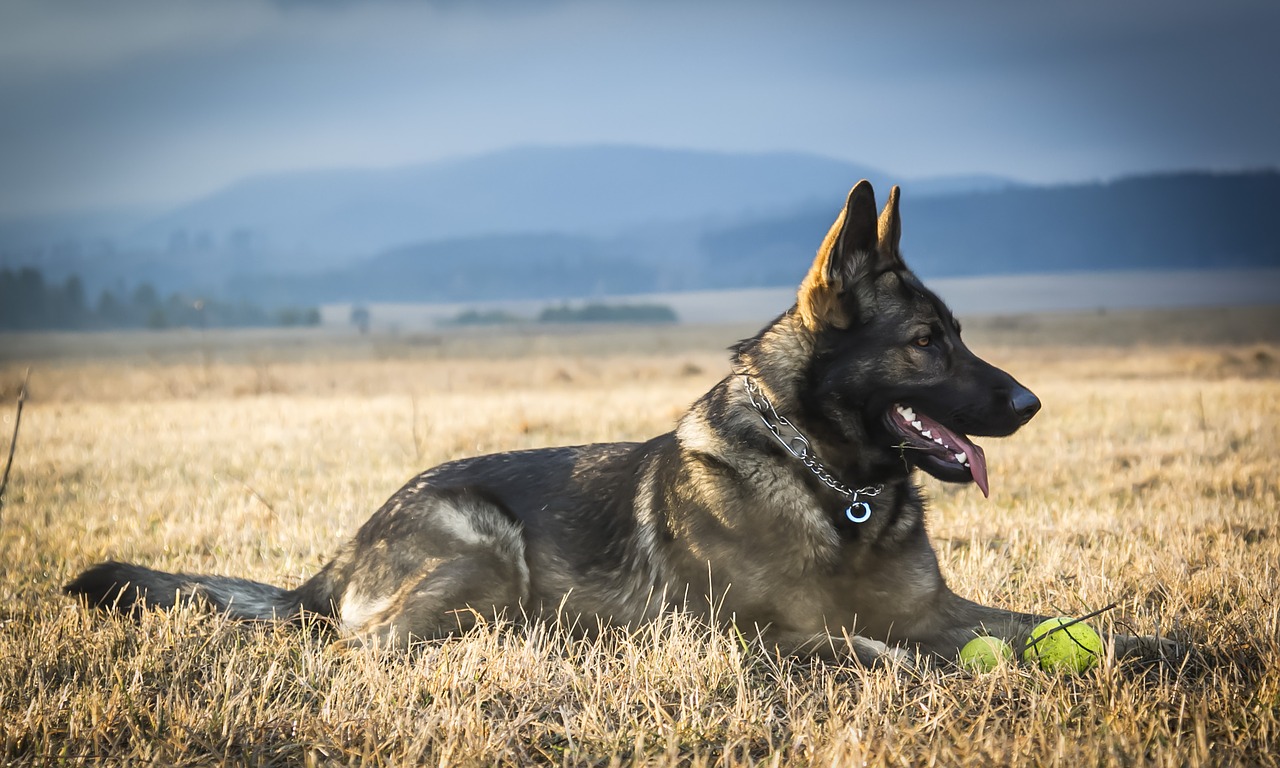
(1024, 403)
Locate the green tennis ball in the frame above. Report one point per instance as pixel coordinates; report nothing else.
(983, 654)
(1057, 645)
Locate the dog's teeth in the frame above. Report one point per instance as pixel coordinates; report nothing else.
(908, 414)
(926, 433)
(962, 457)
(937, 440)
(916, 424)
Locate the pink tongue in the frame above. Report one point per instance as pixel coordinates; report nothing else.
(978, 467)
(977, 459)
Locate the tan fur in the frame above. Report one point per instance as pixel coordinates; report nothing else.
(890, 227)
(817, 302)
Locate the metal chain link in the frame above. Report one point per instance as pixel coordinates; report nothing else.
(798, 445)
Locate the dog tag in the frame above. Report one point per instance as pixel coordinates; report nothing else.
(858, 512)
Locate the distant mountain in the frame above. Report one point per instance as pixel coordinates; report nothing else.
(934, 186)
(552, 222)
(524, 266)
(1185, 220)
(1180, 221)
(302, 217)
(595, 190)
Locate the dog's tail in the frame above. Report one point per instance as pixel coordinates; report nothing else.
(129, 588)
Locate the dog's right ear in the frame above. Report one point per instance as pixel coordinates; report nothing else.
(847, 253)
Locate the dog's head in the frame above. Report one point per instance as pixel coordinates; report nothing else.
(889, 369)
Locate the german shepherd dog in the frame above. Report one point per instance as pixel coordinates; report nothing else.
(782, 502)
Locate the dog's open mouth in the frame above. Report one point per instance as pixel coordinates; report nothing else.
(937, 450)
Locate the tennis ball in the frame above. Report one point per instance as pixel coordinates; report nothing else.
(983, 654)
(1057, 645)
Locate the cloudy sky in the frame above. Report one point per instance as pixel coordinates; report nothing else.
(116, 103)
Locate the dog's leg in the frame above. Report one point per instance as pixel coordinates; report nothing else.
(452, 597)
(1147, 647)
(833, 648)
(432, 565)
(959, 621)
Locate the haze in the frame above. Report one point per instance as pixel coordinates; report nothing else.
(152, 103)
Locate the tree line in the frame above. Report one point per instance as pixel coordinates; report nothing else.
(29, 302)
(563, 313)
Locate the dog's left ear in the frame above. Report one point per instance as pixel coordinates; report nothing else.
(890, 231)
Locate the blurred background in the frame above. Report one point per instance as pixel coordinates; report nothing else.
(412, 164)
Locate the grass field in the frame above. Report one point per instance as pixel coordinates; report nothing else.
(1150, 479)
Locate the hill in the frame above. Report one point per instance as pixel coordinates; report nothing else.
(1180, 221)
(592, 190)
(1175, 221)
(556, 222)
(527, 266)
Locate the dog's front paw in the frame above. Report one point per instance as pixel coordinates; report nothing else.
(1149, 647)
(873, 653)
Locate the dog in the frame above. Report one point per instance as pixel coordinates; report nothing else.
(782, 502)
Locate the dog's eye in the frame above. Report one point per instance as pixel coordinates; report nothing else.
(923, 341)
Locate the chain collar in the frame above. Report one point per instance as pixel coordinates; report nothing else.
(796, 444)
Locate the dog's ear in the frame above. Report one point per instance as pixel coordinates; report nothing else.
(890, 231)
(847, 254)
(858, 231)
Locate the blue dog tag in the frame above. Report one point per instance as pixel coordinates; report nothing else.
(858, 512)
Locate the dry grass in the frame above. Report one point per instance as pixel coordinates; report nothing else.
(1150, 479)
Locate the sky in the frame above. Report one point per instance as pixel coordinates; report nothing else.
(111, 104)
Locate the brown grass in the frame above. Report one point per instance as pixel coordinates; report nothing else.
(1149, 479)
